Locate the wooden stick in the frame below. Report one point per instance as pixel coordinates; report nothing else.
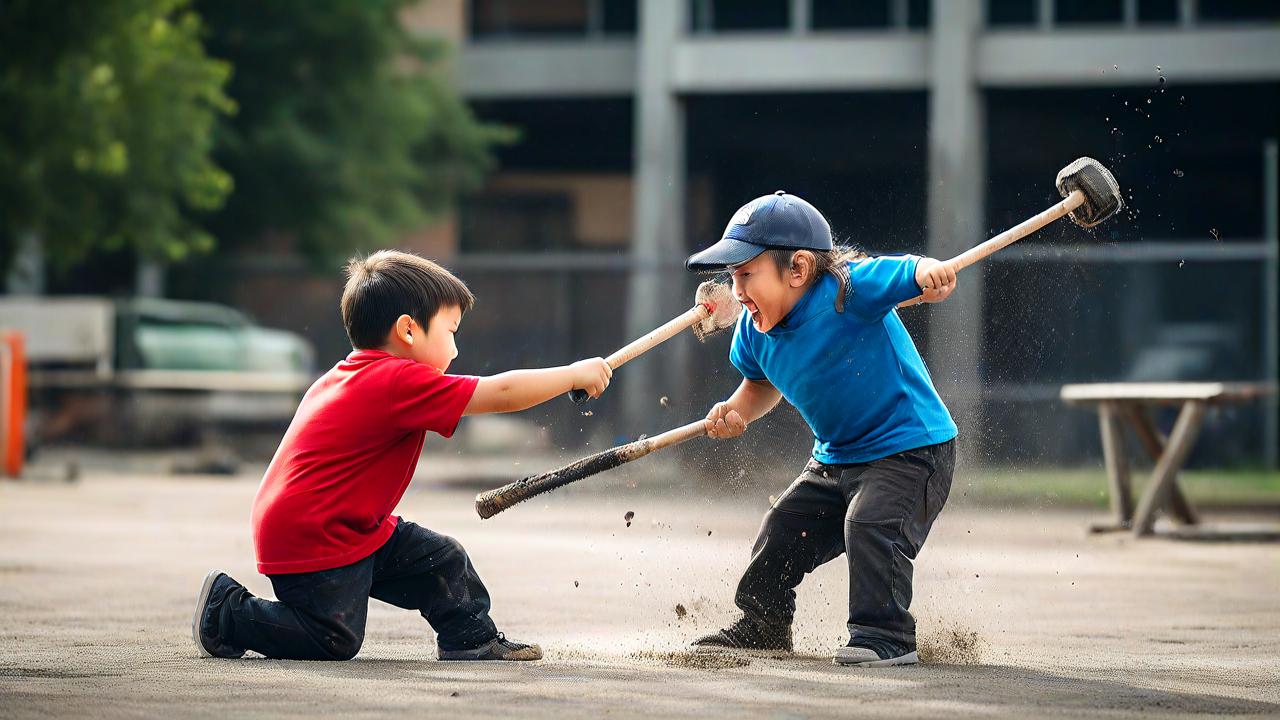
(1009, 237)
(648, 341)
(495, 501)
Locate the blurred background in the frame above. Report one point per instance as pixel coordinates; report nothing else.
(182, 180)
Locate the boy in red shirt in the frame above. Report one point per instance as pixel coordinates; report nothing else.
(322, 523)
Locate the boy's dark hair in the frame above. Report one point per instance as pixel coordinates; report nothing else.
(834, 261)
(390, 283)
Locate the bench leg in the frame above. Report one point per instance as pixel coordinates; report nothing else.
(1175, 454)
(1154, 442)
(1117, 462)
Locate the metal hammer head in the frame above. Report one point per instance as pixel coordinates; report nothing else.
(718, 298)
(1101, 191)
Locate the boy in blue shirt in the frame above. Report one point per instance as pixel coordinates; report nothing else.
(820, 329)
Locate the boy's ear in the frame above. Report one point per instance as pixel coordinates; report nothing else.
(403, 329)
(802, 265)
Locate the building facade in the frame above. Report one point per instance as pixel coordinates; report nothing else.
(916, 126)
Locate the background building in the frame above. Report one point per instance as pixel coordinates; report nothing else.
(915, 126)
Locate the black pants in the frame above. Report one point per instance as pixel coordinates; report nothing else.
(321, 615)
(878, 514)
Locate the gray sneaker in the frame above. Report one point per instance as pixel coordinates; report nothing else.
(884, 655)
(499, 648)
(204, 622)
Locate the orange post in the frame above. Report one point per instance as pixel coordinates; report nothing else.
(14, 377)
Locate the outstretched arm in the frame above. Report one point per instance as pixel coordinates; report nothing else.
(752, 400)
(522, 389)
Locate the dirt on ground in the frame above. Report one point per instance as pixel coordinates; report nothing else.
(1021, 614)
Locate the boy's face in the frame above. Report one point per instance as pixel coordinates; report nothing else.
(766, 292)
(438, 348)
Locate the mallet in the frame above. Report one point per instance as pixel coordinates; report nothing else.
(714, 308)
(495, 501)
(1090, 195)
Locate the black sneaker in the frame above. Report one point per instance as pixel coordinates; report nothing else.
(871, 652)
(204, 624)
(499, 648)
(746, 634)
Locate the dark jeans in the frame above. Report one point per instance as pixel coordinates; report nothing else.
(321, 615)
(878, 514)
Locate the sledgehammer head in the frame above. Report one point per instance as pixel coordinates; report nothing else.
(1101, 191)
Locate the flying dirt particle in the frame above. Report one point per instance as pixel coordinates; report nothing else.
(699, 661)
(1159, 139)
(1180, 264)
(629, 516)
(587, 413)
(1214, 233)
(804, 533)
(453, 694)
(1178, 173)
(953, 646)
(1158, 68)
(1117, 67)
(708, 533)
(975, 575)
(664, 401)
(575, 583)
(680, 611)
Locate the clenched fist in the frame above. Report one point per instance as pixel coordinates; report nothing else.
(724, 422)
(937, 280)
(591, 375)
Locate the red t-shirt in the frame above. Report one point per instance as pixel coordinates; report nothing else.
(347, 458)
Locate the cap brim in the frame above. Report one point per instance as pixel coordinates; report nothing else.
(723, 254)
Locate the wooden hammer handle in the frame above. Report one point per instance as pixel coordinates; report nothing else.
(642, 345)
(657, 336)
(1009, 237)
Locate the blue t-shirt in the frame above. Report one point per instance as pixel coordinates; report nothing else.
(856, 377)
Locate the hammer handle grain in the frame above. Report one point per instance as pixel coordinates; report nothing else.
(1010, 236)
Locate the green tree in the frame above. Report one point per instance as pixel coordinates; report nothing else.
(107, 127)
(348, 132)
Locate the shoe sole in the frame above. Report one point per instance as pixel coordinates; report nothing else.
(201, 600)
(910, 658)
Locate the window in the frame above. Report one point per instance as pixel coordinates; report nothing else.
(1088, 11)
(718, 15)
(1157, 11)
(830, 14)
(1229, 10)
(1011, 12)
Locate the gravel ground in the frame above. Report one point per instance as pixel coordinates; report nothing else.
(1021, 615)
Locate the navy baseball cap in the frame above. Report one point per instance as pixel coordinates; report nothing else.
(778, 221)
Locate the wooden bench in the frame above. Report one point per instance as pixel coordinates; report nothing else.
(1120, 402)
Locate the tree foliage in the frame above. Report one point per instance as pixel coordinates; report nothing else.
(107, 127)
(348, 130)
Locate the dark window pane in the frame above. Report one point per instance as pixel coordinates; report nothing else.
(620, 16)
(1239, 10)
(499, 18)
(1157, 10)
(502, 222)
(1089, 11)
(750, 14)
(1011, 12)
(918, 13)
(830, 14)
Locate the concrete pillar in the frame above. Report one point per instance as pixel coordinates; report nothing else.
(957, 197)
(657, 285)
